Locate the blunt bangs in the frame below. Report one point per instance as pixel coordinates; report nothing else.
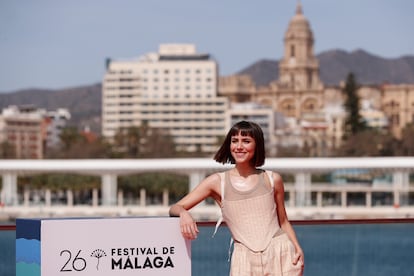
(245, 128)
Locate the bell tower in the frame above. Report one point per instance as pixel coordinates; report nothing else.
(299, 69)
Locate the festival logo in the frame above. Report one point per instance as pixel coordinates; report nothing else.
(98, 253)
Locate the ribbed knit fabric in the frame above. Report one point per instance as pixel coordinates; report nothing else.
(252, 220)
(260, 245)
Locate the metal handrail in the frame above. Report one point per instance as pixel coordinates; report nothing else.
(8, 227)
(12, 227)
(334, 221)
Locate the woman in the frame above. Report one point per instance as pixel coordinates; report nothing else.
(252, 204)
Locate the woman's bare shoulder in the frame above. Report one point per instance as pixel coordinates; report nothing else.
(212, 180)
(277, 179)
(276, 176)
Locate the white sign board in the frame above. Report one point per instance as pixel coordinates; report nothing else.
(113, 246)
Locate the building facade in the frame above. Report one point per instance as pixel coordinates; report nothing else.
(29, 131)
(174, 89)
(397, 102)
(56, 121)
(298, 90)
(23, 131)
(314, 113)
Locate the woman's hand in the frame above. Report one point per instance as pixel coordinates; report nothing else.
(299, 258)
(188, 226)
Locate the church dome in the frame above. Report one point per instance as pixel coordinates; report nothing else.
(299, 26)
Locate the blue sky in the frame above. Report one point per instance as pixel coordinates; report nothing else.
(57, 44)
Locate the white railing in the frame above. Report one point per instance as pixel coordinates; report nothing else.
(300, 190)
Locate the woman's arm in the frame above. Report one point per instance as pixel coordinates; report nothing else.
(210, 186)
(282, 216)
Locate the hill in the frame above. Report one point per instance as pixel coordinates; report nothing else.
(84, 103)
(334, 65)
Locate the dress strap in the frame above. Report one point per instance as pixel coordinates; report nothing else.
(230, 251)
(220, 220)
(222, 180)
(270, 175)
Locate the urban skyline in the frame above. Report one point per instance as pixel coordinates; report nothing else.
(57, 45)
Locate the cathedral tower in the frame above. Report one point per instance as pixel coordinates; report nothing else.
(299, 69)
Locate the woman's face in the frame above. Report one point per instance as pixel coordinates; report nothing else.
(242, 148)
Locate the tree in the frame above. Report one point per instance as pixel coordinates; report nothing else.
(144, 142)
(157, 143)
(154, 184)
(7, 150)
(69, 137)
(370, 142)
(76, 145)
(127, 142)
(407, 141)
(354, 123)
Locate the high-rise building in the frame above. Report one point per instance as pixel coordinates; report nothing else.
(174, 89)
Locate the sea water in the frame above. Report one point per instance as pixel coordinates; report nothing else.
(340, 250)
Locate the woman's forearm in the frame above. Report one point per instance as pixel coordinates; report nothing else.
(176, 210)
(287, 227)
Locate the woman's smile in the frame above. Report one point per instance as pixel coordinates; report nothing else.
(242, 147)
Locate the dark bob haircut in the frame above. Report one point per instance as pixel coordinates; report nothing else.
(245, 128)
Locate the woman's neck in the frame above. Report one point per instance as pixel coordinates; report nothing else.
(244, 170)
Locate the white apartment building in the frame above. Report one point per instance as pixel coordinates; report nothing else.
(174, 89)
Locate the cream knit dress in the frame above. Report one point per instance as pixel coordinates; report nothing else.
(260, 245)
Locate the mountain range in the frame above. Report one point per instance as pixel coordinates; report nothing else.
(84, 103)
(334, 65)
